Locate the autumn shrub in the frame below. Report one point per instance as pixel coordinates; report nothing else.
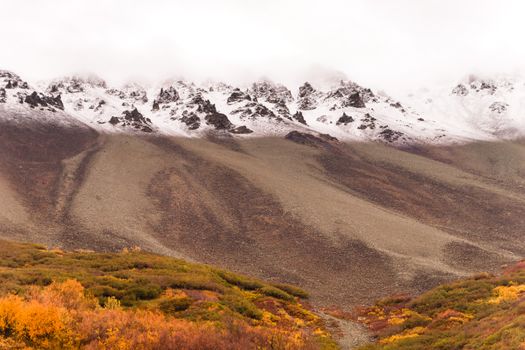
(34, 322)
(61, 316)
(54, 299)
(484, 312)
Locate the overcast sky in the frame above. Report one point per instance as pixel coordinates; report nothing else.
(381, 43)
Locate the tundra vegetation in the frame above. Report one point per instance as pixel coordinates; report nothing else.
(52, 299)
(485, 312)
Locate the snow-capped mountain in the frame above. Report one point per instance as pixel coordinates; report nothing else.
(476, 107)
(473, 109)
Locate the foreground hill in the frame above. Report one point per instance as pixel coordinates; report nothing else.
(51, 299)
(485, 312)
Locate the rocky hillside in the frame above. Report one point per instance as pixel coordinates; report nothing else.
(87, 166)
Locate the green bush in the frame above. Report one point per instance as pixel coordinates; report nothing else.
(242, 306)
(242, 282)
(276, 293)
(174, 305)
(292, 290)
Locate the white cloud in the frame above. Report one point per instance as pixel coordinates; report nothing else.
(390, 43)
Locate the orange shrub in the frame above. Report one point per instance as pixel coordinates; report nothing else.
(34, 322)
(61, 317)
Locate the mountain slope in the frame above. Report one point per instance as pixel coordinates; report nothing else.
(348, 221)
(314, 216)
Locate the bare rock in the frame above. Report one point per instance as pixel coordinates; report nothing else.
(499, 107)
(460, 90)
(321, 141)
(299, 117)
(237, 96)
(191, 120)
(344, 119)
(241, 130)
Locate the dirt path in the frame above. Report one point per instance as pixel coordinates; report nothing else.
(348, 334)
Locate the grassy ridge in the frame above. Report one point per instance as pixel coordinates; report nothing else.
(483, 312)
(149, 291)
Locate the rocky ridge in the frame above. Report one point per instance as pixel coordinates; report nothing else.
(474, 109)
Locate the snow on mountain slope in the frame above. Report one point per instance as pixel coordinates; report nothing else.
(477, 108)
(474, 109)
(20, 103)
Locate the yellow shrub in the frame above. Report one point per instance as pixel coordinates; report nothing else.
(35, 321)
(61, 317)
(401, 316)
(10, 307)
(506, 293)
(40, 324)
(411, 333)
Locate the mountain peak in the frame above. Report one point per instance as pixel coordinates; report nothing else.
(475, 108)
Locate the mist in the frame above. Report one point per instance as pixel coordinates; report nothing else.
(392, 45)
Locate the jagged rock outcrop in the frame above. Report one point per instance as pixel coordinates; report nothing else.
(212, 117)
(299, 117)
(138, 95)
(133, 119)
(75, 84)
(349, 94)
(354, 100)
(344, 119)
(282, 111)
(307, 97)
(323, 140)
(460, 90)
(192, 121)
(368, 122)
(238, 96)
(306, 90)
(12, 81)
(131, 93)
(398, 105)
(12, 84)
(167, 95)
(241, 130)
(155, 107)
(97, 105)
(390, 135)
(218, 120)
(254, 111)
(499, 107)
(272, 93)
(266, 108)
(35, 99)
(479, 85)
